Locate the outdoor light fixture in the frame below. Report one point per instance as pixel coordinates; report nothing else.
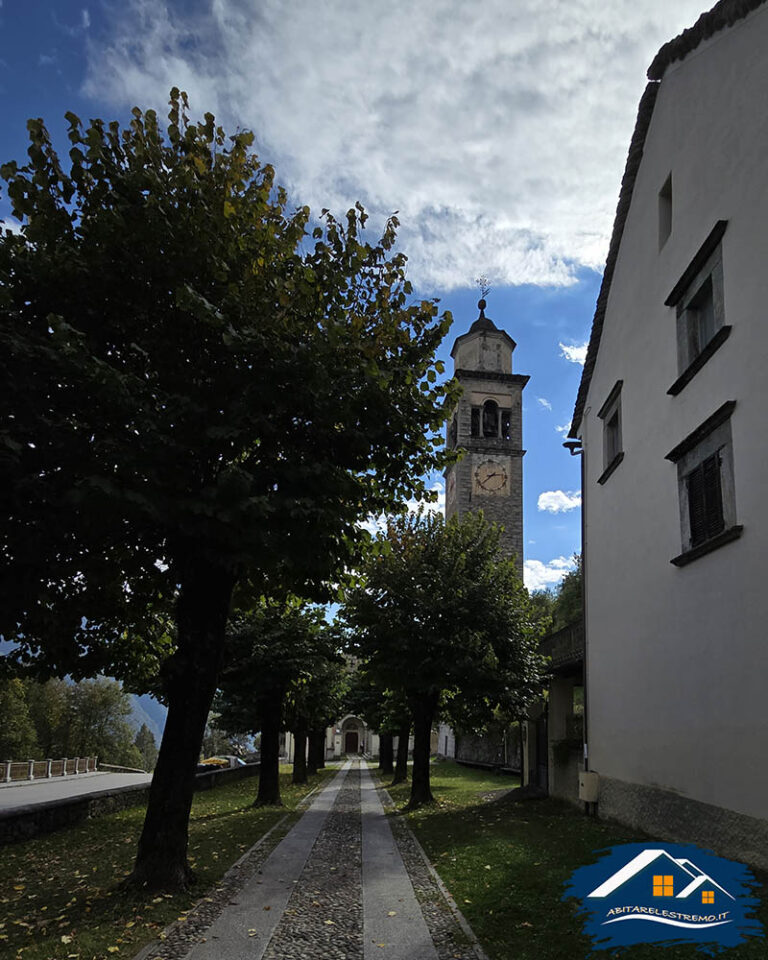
(573, 447)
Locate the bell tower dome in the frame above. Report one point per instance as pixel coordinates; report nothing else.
(488, 424)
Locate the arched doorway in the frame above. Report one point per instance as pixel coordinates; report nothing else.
(352, 736)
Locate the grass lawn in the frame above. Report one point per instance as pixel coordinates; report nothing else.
(506, 863)
(59, 893)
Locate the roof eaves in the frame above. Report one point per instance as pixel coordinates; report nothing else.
(721, 16)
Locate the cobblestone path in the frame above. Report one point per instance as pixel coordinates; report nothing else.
(339, 886)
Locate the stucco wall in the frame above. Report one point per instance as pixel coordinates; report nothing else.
(677, 659)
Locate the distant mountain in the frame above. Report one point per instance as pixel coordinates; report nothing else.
(146, 709)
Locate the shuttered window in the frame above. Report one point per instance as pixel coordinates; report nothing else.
(705, 500)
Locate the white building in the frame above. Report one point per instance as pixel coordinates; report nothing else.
(350, 736)
(671, 414)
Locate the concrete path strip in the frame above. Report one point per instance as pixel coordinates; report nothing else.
(393, 925)
(244, 929)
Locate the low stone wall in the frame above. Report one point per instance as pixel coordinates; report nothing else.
(208, 780)
(23, 823)
(489, 749)
(669, 816)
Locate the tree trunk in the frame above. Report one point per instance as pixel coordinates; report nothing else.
(189, 678)
(386, 755)
(300, 753)
(269, 771)
(401, 767)
(316, 750)
(423, 714)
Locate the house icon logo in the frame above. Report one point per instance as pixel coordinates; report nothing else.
(664, 893)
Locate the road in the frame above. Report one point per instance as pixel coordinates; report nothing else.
(32, 792)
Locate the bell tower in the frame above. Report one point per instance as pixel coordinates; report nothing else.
(488, 424)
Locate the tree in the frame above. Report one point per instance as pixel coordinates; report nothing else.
(567, 607)
(217, 739)
(49, 712)
(314, 698)
(18, 740)
(82, 719)
(442, 616)
(383, 709)
(272, 650)
(198, 398)
(145, 744)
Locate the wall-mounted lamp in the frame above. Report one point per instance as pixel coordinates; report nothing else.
(573, 447)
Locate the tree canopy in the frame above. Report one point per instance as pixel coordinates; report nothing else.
(276, 654)
(442, 616)
(204, 390)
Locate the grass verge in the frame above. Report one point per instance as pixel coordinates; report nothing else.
(59, 895)
(506, 863)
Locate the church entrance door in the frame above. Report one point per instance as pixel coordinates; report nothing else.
(350, 742)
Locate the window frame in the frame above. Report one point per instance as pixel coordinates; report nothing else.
(613, 435)
(711, 439)
(702, 280)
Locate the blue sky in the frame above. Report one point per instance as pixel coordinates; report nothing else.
(498, 131)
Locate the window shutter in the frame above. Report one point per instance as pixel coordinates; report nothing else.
(705, 500)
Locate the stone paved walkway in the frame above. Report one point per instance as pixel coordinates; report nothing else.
(339, 885)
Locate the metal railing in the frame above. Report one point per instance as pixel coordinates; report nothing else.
(12, 771)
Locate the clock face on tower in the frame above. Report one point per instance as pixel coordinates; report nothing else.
(491, 479)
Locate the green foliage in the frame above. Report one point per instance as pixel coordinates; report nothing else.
(382, 709)
(440, 610)
(273, 649)
(18, 740)
(567, 607)
(145, 744)
(88, 718)
(190, 380)
(542, 604)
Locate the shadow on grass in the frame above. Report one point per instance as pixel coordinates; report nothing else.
(507, 862)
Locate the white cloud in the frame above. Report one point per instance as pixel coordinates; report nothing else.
(85, 18)
(563, 429)
(575, 352)
(498, 130)
(559, 501)
(540, 576)
(544, 402)
(377, 525)
(437, 507)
